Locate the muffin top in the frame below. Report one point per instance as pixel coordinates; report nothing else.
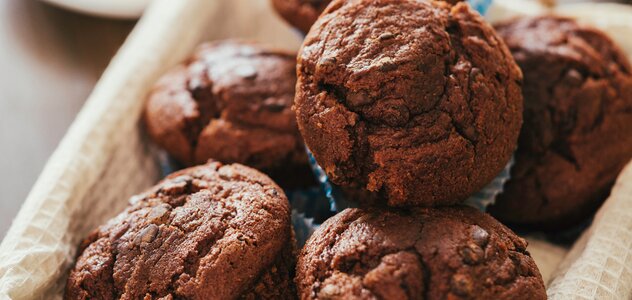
(559, 57)
(576, 137)
(231, 101)
(418, 101)
(300, 13)
(207, 232)
(445, 253)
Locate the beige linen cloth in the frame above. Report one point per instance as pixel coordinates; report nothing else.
(105, 157)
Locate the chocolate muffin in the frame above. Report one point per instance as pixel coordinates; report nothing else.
(209, 232)
(422, 107)
(444, 253)
(300, 13)
(577, 134)
(231, 101)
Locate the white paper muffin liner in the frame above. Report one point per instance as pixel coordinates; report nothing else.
(303, 226)
(487, 196)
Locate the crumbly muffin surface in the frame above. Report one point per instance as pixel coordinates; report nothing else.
(209, 232)
(445, 253)
(418, 101)
(231, 101)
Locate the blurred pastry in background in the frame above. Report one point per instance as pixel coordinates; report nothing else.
(577, 132)
(301, 14)
(231, 101)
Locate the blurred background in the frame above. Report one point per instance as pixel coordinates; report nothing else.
(50, 59)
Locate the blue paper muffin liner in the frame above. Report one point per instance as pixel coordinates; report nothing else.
(480, 5)
(167, 164)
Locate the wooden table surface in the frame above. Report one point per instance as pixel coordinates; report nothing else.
(49, 61)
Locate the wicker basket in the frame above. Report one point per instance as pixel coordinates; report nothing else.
(105, 157)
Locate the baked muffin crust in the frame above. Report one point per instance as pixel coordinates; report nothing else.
(444, 253)
(209, 232)
(418, 101)
(231, 101)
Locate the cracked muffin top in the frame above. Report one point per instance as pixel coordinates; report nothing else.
(577, 128)
(300, 13)
(209, 232)
(417, 101)
(231, 101)
(444, 253)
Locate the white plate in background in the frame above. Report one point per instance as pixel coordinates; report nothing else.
(122, 9)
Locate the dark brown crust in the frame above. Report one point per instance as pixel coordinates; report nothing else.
(300, 13)
(445, 253)
(577, 134)
(423, 107)
(209, 232)
(231, 101)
